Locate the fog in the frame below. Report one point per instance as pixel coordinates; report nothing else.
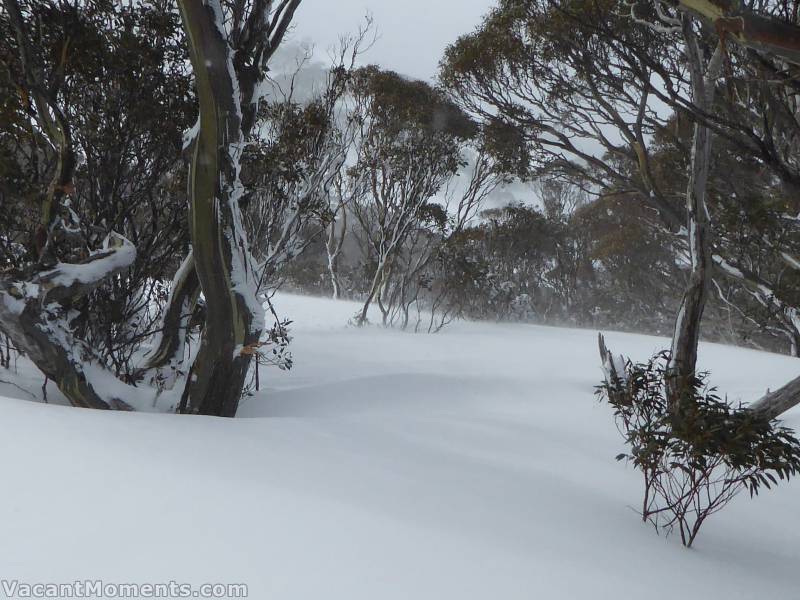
(412, 34)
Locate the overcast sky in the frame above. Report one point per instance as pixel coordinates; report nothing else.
(413, 33)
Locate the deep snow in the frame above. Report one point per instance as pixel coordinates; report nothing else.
(474, 463)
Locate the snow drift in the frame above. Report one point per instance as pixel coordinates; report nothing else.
(475, 463)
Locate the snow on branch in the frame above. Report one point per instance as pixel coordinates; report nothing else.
(613, 367)
(74, 280)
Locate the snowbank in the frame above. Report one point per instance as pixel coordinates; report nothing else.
(475, 463)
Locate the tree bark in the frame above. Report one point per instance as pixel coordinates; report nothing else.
(686, 337)
(374, 291)
(234, 320)
(334, 245)
(774, 404)
(32, 315)
(735, 22)
(169, 351)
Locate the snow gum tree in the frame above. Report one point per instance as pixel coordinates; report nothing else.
(703, 74)
(86, 163)
(572, 75)
(408, 144)
(230, 44)
(92, 156)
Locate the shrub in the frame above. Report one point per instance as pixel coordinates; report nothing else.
(694, 461)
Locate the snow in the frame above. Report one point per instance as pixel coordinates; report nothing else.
(97, 269)
(791, 261)
(474, 463)
(14, 305)
(191, 134)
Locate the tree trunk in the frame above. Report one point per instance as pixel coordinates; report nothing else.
(169, 351)
(375, 289)
(686, 337)
(234, 320)
(334, 245)
(33, 316)
(778, 39)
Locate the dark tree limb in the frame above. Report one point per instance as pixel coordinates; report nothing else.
(32, 315)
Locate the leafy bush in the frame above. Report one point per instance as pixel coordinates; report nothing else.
(696, 459)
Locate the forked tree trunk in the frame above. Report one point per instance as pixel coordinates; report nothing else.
(234, 319)
(374, 292)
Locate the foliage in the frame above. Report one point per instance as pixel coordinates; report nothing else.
(121, 79)
(696, 460)
(561, 76)
(410, 143)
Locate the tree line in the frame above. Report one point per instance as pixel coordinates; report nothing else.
(157, 185)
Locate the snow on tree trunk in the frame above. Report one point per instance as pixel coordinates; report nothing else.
(169, 349)
(333, 246)
(374, 291)
(686, 337)
(33, 315)
(780, 39)
(234, 319)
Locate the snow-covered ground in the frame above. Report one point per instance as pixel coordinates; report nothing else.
(474, 463)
